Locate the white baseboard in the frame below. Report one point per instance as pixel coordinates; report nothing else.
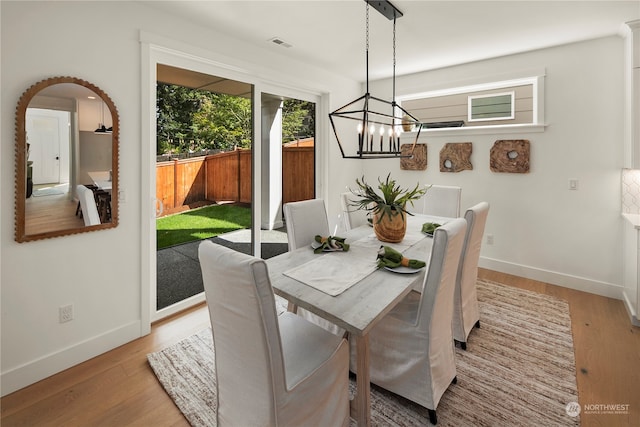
(633, 315)
(178, 307)
(555, 278)
(39, 369)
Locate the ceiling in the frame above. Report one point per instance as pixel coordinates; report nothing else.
(195, 80)
(431, 34)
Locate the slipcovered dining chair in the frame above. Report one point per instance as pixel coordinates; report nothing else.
(352, 216)
(466, 313)
(270, 370)
(304, 220)
(88, 205)
(411, 348)
(442, 200)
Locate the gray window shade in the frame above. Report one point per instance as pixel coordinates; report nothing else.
(491, 107)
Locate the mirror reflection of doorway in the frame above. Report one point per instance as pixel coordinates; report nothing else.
(48, 139)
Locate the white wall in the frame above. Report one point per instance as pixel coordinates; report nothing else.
(541, 229)
(99, 273)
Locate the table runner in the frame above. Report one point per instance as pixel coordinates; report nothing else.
(335, 272)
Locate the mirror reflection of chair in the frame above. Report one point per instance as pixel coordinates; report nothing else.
(466, 313)
(442, 200)
(103, 203)
(270, 369)
(411, 348)
(79, 208)
(88, 205)
(103, 200)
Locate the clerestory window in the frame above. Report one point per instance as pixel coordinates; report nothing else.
(507, 103)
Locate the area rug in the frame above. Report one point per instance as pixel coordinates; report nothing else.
(518, 369)
(47, 191)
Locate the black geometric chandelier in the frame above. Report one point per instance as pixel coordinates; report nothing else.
(375, 125)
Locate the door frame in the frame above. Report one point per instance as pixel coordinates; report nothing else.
(154, 51)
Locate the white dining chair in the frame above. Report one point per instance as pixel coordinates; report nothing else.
(466, 313)
(88, 205)
(351, 215)
(442, 200)
(411, 348)
(270, 370)
(304, 220)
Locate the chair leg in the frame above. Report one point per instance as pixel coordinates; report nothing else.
(432, 416)
(455, 380)
(477, 325)
(463, 344)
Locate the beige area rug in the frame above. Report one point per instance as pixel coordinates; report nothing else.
(518, 370)
(48, 191)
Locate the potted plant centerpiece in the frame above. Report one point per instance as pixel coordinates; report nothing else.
(389, 208)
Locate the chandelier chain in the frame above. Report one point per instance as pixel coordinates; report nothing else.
(393, 98)
(367, 46)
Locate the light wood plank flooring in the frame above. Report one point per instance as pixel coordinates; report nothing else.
(51, 213)
(118, 388)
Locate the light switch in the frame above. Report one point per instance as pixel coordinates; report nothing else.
(573, 184)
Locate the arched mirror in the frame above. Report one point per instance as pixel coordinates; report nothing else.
(66, 160)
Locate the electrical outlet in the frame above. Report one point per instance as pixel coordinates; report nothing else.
(573, 184)
(489, 239)
(65, 313)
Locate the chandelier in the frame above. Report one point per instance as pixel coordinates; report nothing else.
(376, 123)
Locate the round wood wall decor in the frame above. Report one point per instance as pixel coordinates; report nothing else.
(456, 157)
(418, 162)
(510, 156)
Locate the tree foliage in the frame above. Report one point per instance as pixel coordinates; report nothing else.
(194, 120)
(298, 120)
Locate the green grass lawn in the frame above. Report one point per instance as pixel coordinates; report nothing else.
(201, 223)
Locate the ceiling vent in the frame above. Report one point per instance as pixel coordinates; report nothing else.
(280, 42)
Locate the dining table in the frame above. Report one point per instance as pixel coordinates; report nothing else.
(102, 179)
(347, 289)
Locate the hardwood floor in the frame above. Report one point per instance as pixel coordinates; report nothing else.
(50, 213)
(118, 388)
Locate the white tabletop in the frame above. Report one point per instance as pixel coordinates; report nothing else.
(359, 307)
(102, 179)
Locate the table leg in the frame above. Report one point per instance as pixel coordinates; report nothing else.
(362, 399)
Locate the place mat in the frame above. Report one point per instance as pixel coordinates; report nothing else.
(335, 272)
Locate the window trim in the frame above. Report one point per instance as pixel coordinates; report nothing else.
(535, 77)
(512, 108)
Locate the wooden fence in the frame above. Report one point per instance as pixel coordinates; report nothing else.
(226, 177)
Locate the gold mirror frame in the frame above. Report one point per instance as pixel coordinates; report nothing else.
(21, 162)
